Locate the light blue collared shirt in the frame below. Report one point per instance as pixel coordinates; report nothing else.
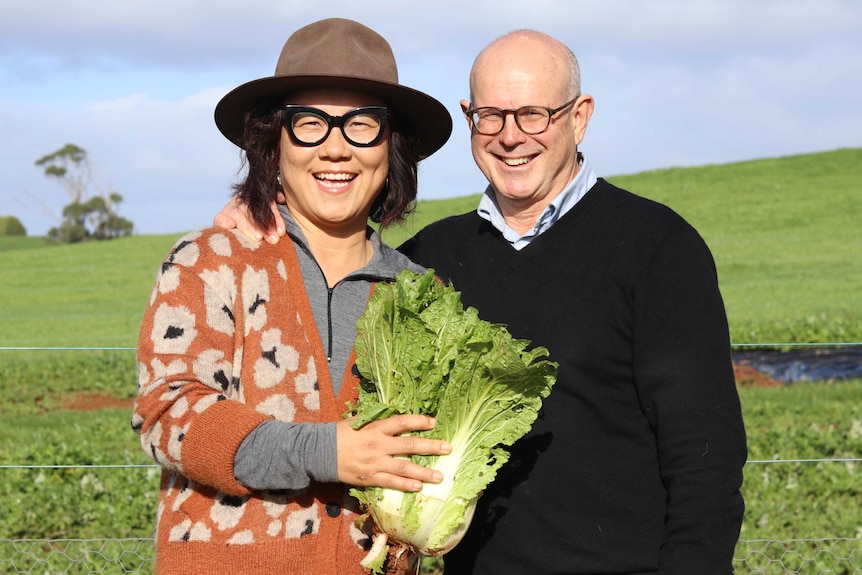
(565, 201)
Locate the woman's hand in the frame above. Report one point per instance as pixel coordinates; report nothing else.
(367, 456)
(235, 215)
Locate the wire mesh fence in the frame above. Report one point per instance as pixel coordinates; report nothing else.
(803, 556)
(119, 554)
(76, 556)
(837, 556)
(113, 551)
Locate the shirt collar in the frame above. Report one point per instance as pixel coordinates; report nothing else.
(576, 189)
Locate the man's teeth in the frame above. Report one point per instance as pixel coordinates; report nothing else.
(515, 161)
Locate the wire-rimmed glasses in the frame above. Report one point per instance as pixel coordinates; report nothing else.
(532, 120)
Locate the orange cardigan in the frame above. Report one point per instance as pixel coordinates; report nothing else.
(228, 340)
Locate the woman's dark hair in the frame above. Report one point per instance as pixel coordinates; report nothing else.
(261, 138)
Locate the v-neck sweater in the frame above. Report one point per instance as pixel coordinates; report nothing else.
(635, 463)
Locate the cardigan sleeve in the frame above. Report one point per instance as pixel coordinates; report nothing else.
(684, 377)
(184, 412)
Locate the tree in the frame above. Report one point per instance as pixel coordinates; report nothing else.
(11, 226)
(89, 215)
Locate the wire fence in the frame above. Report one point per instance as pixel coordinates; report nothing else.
(108, 556)
(115, 556)
(120, 555)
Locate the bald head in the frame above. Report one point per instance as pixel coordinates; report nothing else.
(522, 51)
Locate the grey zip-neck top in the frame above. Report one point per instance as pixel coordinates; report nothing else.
(285, 455)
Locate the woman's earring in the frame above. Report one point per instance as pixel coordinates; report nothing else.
(278, 179)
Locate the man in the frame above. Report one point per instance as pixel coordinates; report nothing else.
(635, 464)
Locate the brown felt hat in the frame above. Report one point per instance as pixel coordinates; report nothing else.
(339, 53)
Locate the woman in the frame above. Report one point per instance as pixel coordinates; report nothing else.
(246, 350)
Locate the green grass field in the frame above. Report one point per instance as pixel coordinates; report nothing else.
(786, 243)
(783, 233)
(785, 236)
(89, 294)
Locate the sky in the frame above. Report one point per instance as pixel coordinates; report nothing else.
(675, 82)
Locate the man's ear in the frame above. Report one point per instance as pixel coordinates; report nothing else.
(583, 111)
(465, 105)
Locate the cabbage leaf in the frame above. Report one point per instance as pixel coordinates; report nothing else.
(419, 350)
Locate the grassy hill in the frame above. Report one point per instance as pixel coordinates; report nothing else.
(786, 241)
(784, 233)
(786, 238)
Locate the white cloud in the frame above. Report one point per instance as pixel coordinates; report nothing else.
(676, 82)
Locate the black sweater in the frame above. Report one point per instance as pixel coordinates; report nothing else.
(635, 463)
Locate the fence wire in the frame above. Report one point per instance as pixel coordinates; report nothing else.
(839, 556)
(76, 556)
(110, 556)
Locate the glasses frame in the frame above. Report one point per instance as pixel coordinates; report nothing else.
(514, 112)
(289, 111)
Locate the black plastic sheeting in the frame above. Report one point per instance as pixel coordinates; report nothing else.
(804, 364)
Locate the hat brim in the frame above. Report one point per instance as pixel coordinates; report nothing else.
(428, 119)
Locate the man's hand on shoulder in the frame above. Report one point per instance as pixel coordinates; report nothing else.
(235, 215)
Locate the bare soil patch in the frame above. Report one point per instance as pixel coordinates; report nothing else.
(95, 401)
(746, 376)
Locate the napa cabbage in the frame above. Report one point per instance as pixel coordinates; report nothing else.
(419, 350)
